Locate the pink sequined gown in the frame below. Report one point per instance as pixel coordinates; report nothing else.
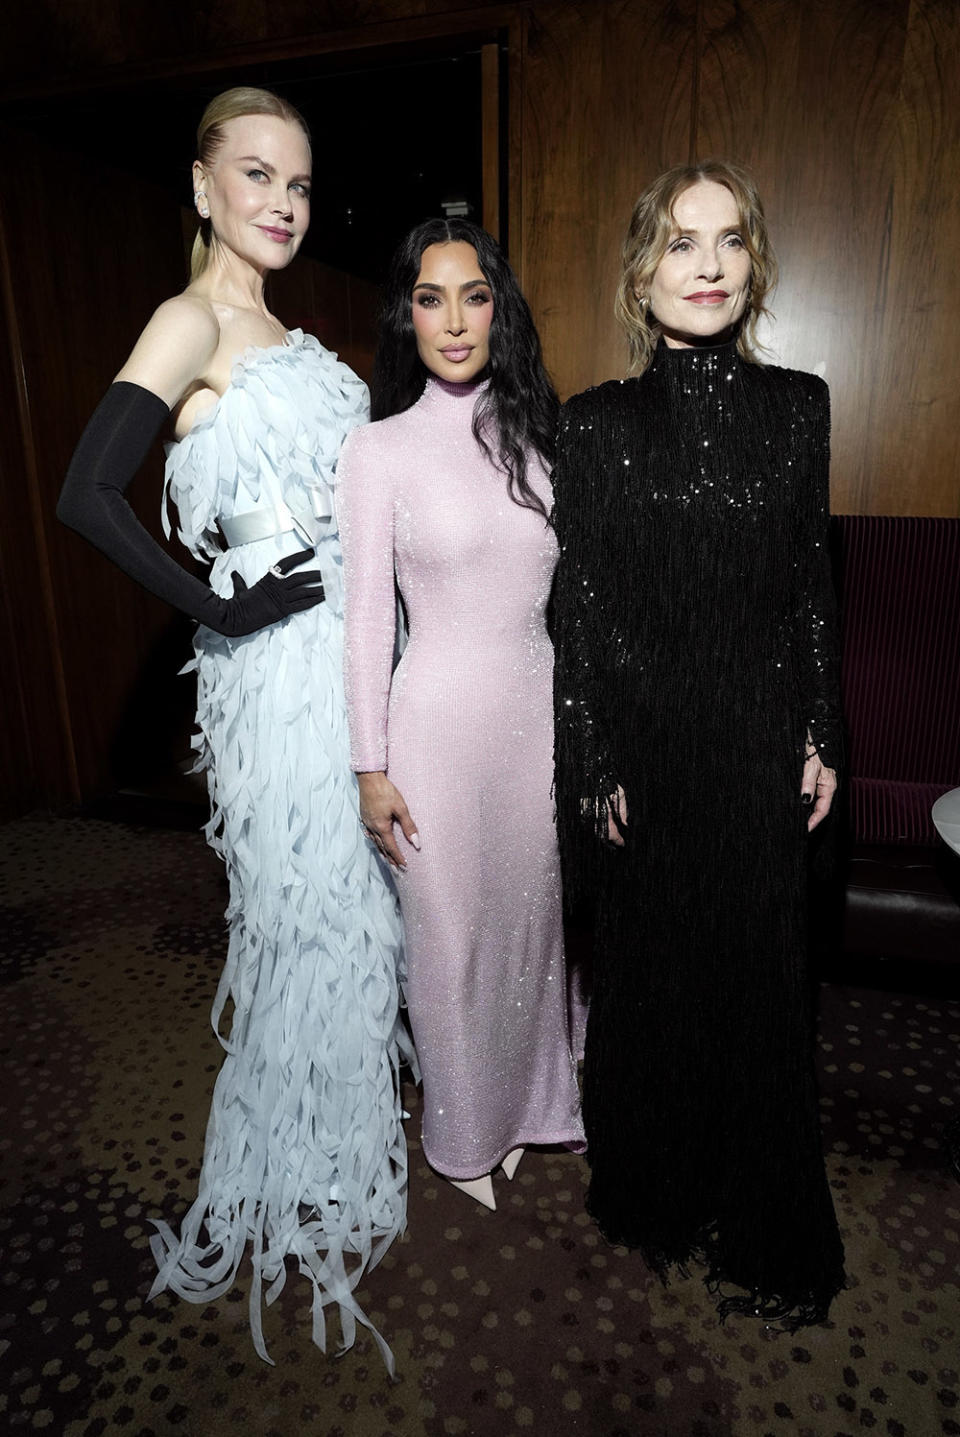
(465, 731)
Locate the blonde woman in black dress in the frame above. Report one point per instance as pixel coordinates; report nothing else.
(697, 742)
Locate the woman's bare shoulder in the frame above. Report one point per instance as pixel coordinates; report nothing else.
(175, 348)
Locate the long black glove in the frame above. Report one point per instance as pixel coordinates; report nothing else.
(111, 450)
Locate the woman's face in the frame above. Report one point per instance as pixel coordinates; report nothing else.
(258, 189)
(452, 312)
(701, 286)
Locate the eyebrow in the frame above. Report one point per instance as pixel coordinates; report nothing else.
(470, 284)
(689, 230)
(266, 165)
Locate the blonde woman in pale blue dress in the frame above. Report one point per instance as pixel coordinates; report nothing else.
(305, 1155)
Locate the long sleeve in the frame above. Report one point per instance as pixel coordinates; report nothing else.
(584, 767)
(814, 636)
(365, 506)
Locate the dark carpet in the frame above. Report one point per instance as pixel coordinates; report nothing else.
(522, 1321)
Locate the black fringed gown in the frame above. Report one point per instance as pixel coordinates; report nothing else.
(695, 649)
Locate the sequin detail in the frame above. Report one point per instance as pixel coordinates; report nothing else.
(464, 730)
(695, 633)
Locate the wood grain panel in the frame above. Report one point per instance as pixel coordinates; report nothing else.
(102, 42)
(809, 97)
(511, 223)
(339, 308)
(73, 36)
(606, 104)
(490, 131)
(111, 249)
(648, 74)
(911, 443)
(36, 756)
(562, 159)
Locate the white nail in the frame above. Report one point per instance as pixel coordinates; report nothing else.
(415, 840)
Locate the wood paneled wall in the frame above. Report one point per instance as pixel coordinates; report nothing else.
(339, 308)
(848, 111)
(36, 757)
(89, 255)
(96, 40)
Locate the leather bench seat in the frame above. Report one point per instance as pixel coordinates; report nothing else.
(903, 901)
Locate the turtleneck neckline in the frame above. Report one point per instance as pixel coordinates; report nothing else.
(689, 354)
(463, 393)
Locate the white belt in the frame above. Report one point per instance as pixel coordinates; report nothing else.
(265, 523)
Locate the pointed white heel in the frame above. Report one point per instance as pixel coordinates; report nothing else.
(480, 1189)
(511, 1162)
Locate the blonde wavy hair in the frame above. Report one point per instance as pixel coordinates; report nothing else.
(651, 228)
(232, 105)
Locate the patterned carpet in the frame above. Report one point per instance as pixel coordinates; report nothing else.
(522, 1321)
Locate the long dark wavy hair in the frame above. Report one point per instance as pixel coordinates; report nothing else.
(518, 410)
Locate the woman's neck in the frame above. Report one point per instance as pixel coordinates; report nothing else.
(456, 389)
(229, 280)
(698, 344)
(679, 352)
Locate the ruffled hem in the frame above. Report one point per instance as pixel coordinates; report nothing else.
(288, 1215)
(305, 1155)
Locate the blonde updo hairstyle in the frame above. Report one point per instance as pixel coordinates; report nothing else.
(652, 226)
(232, 105)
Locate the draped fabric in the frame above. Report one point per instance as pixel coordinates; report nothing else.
(695, 651)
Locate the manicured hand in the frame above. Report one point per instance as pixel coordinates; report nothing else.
(381, 806)
(817, 788)
(617, 803)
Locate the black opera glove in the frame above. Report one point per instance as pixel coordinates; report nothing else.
(273, 597)
(111, 449)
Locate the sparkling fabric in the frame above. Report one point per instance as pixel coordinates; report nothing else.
(465, 732)
(305, 1155)
(695, 649)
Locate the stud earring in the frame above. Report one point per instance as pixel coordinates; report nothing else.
(203, 209)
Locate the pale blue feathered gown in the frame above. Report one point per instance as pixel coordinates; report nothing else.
(305, 1154)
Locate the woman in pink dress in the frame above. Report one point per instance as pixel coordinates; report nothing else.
(447, 497)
